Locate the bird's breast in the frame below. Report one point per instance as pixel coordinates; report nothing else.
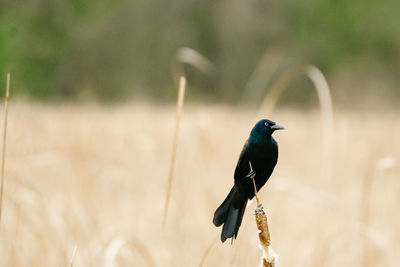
(263, 156)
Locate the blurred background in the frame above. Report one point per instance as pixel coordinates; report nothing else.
(114, 50)
(92, 116)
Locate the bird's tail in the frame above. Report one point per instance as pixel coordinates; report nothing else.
(230, 213)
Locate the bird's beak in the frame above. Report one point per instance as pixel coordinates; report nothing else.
(277, 127)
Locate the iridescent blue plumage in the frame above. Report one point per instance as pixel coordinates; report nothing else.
(261, 150)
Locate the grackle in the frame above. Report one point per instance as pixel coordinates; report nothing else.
(257, 161)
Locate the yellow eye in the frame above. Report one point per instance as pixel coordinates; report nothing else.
(266, 124)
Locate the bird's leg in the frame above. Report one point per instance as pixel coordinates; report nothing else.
(251, 175)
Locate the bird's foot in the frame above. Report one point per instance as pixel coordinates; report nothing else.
(259, 209)
(251, 174)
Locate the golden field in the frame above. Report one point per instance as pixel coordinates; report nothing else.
(93, 179)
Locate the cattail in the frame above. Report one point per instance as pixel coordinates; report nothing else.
(268, 258)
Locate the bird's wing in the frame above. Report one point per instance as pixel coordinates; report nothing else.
(242, 167)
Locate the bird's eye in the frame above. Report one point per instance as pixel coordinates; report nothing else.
(266, 124)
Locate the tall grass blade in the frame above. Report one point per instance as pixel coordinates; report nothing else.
(326, 107)
(261, 76)
(186, 55)
(325, 100)
(3, 154)
(194, 58)
(271, 98)
(179, 105)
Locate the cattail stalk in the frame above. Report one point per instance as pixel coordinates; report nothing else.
(268, 258)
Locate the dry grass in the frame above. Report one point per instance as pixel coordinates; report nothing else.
(179, 107)
(90, 176)
(3, 149)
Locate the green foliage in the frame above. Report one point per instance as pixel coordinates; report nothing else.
(334, 32)
(113, 49)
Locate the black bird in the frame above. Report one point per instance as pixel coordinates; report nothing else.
(261, 151)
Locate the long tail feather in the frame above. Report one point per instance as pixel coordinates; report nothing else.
(221, 213)
(230, 213)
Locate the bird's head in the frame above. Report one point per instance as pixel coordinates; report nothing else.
(264, 128)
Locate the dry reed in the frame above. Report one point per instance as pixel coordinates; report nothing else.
(325, 100)
(186, 55)
(3, 155)
(261, 75)
(113, 194)
(179, 106)
(194, 58)
(274, 92)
